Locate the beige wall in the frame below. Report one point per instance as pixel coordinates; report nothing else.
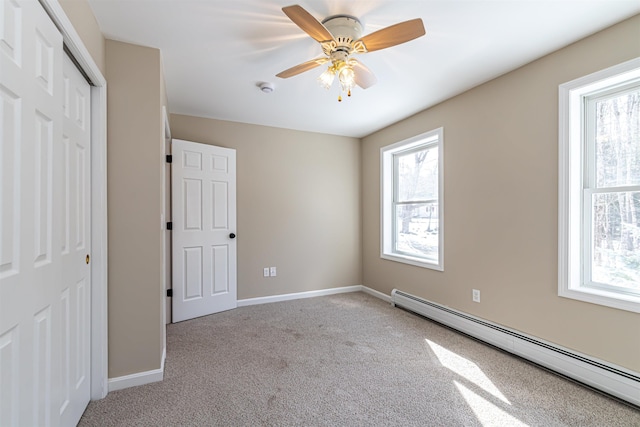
(134, 109)
(81, 16)
(298, 204)
(501, 208)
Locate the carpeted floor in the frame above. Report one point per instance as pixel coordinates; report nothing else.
(346, 360)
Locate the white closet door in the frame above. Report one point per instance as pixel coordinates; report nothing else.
(75, 226)
(44, 225)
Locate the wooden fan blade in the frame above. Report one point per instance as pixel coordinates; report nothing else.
(308, 23)
(394, 35)
(301, 68)
(363, 76)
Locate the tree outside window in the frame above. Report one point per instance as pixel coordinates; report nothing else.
(614, 202)
(416, 203)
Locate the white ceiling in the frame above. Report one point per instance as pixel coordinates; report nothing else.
(216, 52)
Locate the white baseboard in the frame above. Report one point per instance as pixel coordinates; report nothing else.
(298, 295)
(607, 377)
(377, 294)
(139, 378)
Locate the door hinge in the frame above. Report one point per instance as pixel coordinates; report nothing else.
(170, 226)
(169, 158)
(169, 292)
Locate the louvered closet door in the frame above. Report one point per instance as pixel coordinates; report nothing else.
(44, 224)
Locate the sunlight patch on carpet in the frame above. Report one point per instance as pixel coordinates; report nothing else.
(466, 369)
(487, 413)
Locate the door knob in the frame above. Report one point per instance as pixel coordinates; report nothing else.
(87, 259)
(232, 236)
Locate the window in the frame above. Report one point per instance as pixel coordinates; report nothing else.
(412, 207)
(599, 188)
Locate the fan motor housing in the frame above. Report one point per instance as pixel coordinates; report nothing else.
(345, 29)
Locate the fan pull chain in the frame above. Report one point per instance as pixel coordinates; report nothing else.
(340, 95)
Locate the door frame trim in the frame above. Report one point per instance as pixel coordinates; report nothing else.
(99, 337)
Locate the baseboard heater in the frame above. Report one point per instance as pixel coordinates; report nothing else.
(614, 380)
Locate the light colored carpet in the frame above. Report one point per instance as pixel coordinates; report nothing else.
(346, 360)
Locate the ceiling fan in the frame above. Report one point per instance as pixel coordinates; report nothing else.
(341, 37)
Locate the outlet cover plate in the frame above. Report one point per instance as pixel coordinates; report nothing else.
(476, 295)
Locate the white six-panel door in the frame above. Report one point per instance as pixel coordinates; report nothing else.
(203, 187)
(44, 224)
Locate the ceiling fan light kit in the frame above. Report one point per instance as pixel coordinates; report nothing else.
(341, 37)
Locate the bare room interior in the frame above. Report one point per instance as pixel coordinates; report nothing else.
(407, 221)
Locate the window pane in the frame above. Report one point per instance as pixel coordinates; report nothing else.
(618, 140)
(417, 230)
(418, 175)
(616, 239)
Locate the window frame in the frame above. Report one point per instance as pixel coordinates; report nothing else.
(389, 188)
(575, 183)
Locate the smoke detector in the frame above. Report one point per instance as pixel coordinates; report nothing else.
(266, 87)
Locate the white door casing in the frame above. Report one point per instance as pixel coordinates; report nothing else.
(166, 217)
(45, 300)
(203, 184)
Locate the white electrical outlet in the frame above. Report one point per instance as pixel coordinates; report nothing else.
(265, 272)
(273, 272)
(476, 295)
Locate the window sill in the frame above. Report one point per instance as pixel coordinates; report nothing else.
(418, 262)
(605, 298)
